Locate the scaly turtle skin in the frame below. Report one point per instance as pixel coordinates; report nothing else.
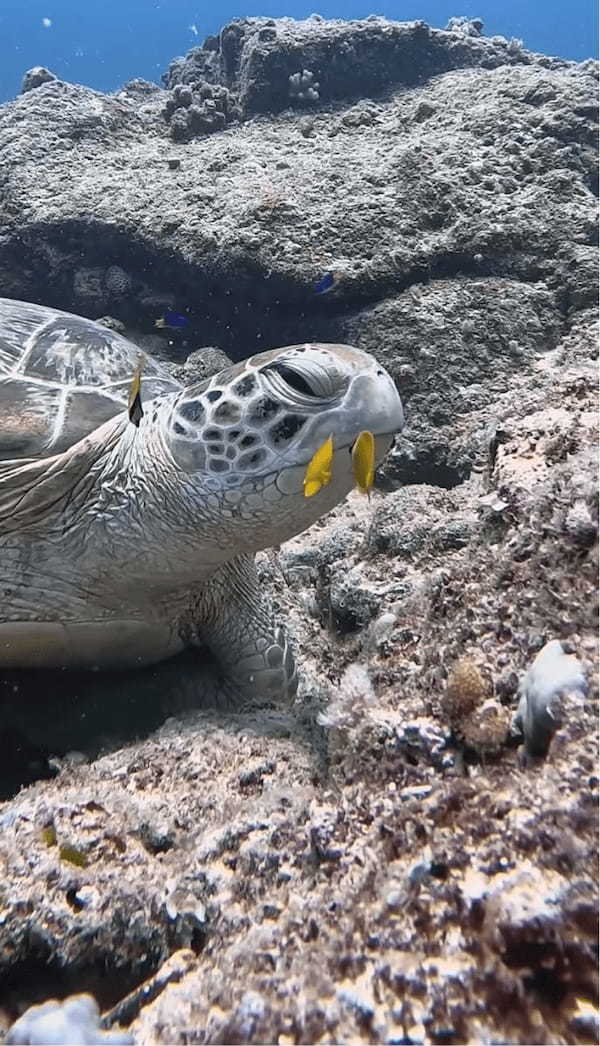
(121, 545)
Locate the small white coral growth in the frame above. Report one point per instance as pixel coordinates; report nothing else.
(304, 87)
(347, 706)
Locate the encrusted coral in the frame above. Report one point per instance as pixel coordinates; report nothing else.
(117, 282)
(477, 718)
(486, 728)
(89, 289)
(199, 108)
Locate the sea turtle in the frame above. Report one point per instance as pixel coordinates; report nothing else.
(121, 544)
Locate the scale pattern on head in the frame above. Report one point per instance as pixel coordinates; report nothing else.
(252, 418)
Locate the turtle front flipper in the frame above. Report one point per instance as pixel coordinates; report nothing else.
(234, 622)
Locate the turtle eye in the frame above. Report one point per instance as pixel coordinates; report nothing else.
(295, 380)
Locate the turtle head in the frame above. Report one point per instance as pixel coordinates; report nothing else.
(248, 434)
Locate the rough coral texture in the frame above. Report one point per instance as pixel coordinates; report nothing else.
(198, 108)
(256, 57)
(379, 863)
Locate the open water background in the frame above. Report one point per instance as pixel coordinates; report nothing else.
(103, 44)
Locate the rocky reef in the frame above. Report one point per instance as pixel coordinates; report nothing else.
(409, 854)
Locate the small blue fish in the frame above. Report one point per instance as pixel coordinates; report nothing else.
(325, 284)
(172, 319)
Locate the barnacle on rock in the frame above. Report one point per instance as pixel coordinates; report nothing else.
(465, 690)
(486, 728)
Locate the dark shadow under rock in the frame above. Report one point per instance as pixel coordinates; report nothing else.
(47, 712)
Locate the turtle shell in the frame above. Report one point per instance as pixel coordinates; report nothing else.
(61, 376)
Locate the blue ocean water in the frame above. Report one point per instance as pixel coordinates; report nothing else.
(105, 44)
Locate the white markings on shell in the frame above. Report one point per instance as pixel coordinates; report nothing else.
(61, 377)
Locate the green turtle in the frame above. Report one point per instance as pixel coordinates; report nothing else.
(122, 543)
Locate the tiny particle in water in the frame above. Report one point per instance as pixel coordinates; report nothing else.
(46, 22)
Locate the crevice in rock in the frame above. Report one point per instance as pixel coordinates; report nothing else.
(231, 302)
(41, 976)
(91, 712)
(129, 1006)
(22, 760)
(426, 467)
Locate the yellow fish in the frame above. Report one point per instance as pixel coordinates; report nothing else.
(134, 402)
(363, 461)
(318, 470)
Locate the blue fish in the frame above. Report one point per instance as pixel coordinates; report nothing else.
(325, 284)
(172, 319)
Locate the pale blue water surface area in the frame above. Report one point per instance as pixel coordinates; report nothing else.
(103, 44)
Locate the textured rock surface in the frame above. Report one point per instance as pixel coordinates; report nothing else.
(269, 63)
(380, 863)
(458, 217)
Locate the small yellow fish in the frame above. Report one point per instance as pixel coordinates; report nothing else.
(318, 470)
(363, 461)
(134, 402)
